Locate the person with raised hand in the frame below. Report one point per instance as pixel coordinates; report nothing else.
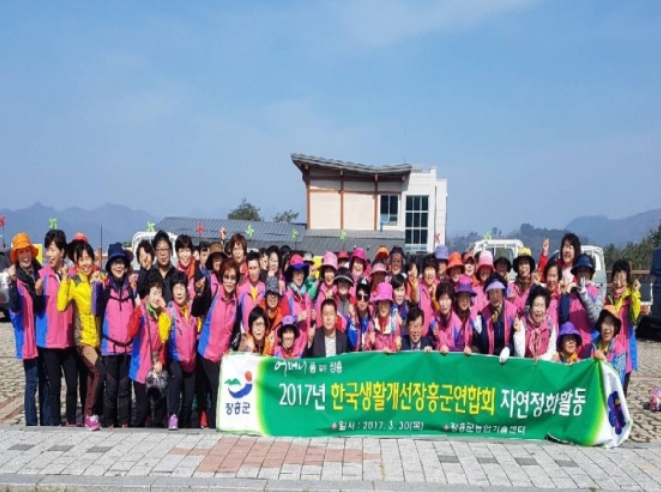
(77, 291)
(25, 300)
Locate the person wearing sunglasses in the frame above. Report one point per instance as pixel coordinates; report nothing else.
(360, 321)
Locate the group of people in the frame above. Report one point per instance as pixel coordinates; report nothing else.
(162, 330)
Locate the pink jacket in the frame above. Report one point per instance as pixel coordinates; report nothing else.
(24, 325)
(386, 339)
(54, 329)
(248, 303)
(578, 315)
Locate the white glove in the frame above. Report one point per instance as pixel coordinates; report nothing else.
(478, 324)
(504, 355)
(582, 286)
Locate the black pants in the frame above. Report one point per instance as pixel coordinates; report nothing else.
(56, 361)
(212, 375)
(81, 369)
(181, 382)
(143, 407)
(201, 387)
(117, 394)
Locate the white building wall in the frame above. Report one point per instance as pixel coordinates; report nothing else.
(358, 211)
(425, 183)
(324, 210)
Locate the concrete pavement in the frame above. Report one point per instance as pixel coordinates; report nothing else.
(75, 459)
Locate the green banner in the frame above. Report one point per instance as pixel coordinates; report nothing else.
(418, 394)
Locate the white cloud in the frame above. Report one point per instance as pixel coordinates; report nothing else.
(381, 23)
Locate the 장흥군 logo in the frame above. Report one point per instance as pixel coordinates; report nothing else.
(615, 413)
(243, 388)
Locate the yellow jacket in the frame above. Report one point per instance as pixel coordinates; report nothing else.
(78, 290)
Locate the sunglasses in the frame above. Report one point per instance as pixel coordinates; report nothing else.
(363, 297)
(229, 278)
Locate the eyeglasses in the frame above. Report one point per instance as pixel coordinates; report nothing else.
(229, 278)
(259, 323)
(363, 297)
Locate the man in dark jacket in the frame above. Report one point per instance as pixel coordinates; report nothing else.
(414, 340)
(326, 341)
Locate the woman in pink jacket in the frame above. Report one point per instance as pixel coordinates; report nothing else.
(524, 266)
(55, 333)
(386, 334)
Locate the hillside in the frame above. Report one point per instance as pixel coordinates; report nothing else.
(605, 231)
(118, 222)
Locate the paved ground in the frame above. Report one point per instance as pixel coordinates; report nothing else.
(166, 459)
(159, 460)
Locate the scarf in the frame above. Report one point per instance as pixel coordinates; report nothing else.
(300, 291)
(189, 270)
(535, 330)
(495, 313)
(569, 360)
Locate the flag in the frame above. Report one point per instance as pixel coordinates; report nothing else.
(3, 220)
(250, 231)
(294, 234)
(200, 228)
(52, 223)
(150, 226)
(343, 235)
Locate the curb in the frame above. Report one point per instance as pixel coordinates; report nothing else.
(174, 484)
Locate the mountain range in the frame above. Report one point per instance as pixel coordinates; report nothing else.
(116, 223)
(603, 231)
(119, 223)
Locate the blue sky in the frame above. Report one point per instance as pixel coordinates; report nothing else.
(536, 111)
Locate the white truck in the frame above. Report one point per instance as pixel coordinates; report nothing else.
(510, 249)
(145, 235)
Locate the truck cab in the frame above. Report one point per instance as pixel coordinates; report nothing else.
(145, 235)
(508, 248)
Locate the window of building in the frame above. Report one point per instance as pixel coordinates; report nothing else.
(417, 222)
(389, 210)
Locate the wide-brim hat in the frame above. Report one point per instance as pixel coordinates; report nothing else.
(343, 256)
(289, 322)
(468, 256)
(116, 252)
(524, 254)
(378, 268)
(358, 254)
(465, 285)
(21, 241)
(612, 312)
(308, 258)
(215, 249)
(441, 253)
(382, 254)
(344, 274)
(501, 255)
(485, 260)
(383, 293)
(329, 261)
(296, 263)
(569, 330)
(455, 261)
(583, 261)
(272, 286)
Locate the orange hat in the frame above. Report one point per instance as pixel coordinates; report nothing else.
(455, 261)
(21, 241)
(382, 253)
(80, 236)
(468, 256)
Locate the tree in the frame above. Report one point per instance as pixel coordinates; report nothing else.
(245, 211)
(288, 216)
